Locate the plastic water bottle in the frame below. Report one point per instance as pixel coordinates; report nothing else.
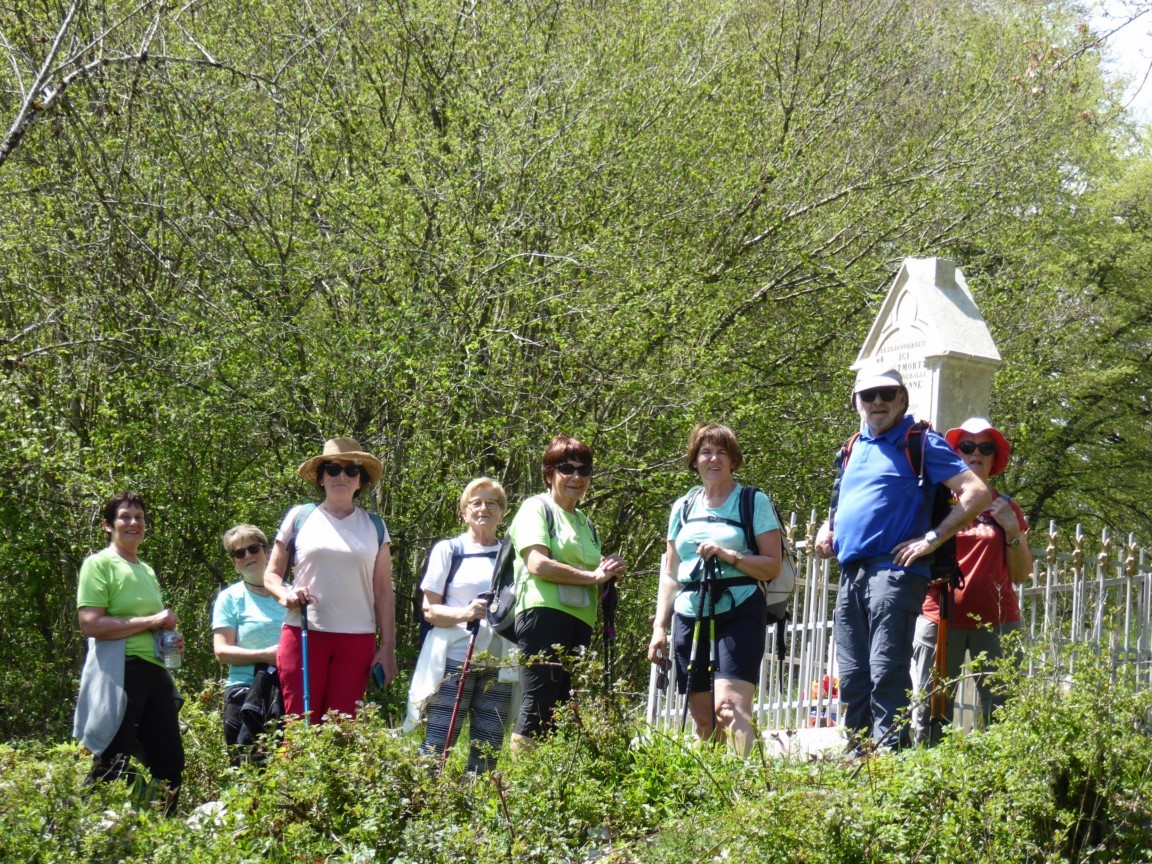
(171, 654)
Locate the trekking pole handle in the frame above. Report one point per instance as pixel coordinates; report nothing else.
(473, 626)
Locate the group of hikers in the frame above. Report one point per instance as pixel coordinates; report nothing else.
(311, 621)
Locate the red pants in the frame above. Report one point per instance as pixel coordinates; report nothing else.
(338, 667)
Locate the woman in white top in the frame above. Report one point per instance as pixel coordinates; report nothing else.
(343, 572)
(455, 586)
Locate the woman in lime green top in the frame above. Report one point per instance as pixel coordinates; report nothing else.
(559, 568)
(118, 598)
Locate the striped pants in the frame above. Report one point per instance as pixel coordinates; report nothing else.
(484, 703)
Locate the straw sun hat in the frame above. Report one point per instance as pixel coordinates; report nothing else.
(343, 450)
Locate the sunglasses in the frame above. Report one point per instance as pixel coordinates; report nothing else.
(886, 394)
(250, 549)
(333, 469)
(986, 448)
(567, 469)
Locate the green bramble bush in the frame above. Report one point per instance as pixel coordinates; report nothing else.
(1064, 776)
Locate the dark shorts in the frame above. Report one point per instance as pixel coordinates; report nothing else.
(544, 676)
(740, 635)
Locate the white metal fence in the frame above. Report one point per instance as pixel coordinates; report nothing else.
(1096, 593)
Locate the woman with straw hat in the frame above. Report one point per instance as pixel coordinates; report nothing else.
(342, 570)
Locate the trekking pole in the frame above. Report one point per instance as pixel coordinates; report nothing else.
(304, 661)
(712, 579)
(939, 704)
(694, 651)
(609, 598)
(473, 628)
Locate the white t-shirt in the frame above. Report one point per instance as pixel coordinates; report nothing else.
(473, 578)
(334, 561)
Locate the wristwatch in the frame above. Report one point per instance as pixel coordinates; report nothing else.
(932, 537)
(1015, 541)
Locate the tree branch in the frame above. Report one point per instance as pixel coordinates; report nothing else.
(29, 105)
(16, 133)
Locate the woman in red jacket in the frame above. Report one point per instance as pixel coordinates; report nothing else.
(994, 557)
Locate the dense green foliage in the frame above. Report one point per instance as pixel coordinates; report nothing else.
(1066, 776)
(233, 229)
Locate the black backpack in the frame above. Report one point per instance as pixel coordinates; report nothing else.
(942, 562)
(458, 556)
(502, 605)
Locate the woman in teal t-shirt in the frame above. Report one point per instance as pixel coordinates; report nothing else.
(559, 570)
(246, 622)
(705, 524)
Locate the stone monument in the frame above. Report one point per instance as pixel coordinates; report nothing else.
(931, 331)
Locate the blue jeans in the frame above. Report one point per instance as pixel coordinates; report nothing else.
(875, 622)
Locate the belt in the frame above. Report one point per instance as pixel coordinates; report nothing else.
(867, 562)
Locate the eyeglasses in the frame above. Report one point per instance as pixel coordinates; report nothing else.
(484, 504)
(250, 549)
(886, 394)
(568, 469)
(986, 448)
(333, 469)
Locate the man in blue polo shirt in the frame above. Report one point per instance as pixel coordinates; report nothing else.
(881, 533)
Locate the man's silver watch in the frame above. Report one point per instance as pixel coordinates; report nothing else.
(932, 537)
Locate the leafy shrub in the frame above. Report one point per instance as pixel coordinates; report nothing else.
(1066, 775)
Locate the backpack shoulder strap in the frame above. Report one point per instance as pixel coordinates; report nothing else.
(846, 452)
(841, 462)
(549, 516)
(457, 547)
(302, 515)
(689, 502)
(748, 516)
(378, 523)
(991, 521)
(916, 446)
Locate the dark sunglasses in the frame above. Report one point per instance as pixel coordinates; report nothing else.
(986, 448)
(333, 469)
(250, 549)
(886, 394)
(567, 469)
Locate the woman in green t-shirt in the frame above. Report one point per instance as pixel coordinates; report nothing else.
(559, 568)
(118, 601)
